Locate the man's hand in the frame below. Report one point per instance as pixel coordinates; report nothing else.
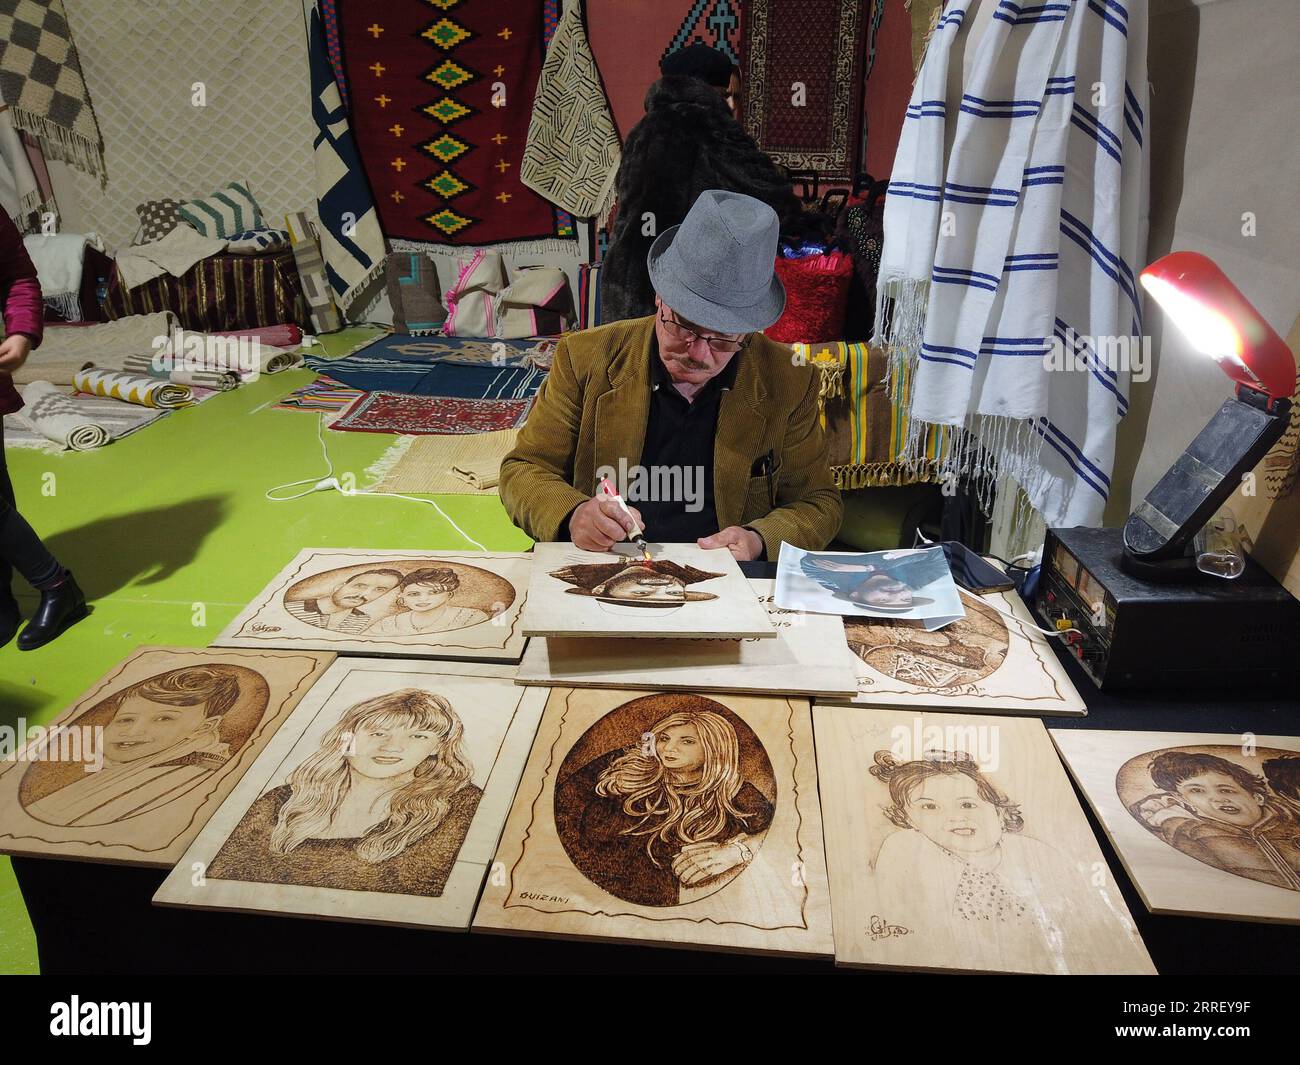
(14, 351)
(742, 543)
(600, 523)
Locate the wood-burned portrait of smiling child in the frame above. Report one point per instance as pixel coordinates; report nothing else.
(1235, 812)
(133, 769)
(163, 737)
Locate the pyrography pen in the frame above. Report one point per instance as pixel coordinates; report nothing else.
(639, 537)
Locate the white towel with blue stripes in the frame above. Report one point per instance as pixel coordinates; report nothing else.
(1008, 275)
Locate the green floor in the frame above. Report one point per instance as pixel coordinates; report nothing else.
(175, 516)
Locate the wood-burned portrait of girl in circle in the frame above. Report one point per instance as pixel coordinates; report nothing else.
(665, 800)
(383, 804)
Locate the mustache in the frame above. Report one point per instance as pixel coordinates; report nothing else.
(689, 363)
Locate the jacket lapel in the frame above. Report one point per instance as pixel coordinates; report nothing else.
(623, 410)
(741, 426)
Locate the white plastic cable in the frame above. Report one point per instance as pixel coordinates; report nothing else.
(331, 483)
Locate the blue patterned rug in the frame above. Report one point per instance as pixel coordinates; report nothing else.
(444, 366)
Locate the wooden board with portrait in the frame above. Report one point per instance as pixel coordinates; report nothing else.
(676, 818)
(955, 843)
(380, 800)
(1206, 825)
(808, 657)
(409, 604)
(993, 660)
(137, 765)
(681, 592)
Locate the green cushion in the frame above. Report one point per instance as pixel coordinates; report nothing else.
(880, 519)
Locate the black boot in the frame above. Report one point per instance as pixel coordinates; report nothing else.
(61, 606)
(10, 616)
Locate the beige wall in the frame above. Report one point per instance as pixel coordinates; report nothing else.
(1225, 140)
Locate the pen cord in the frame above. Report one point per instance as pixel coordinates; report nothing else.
(331, 482)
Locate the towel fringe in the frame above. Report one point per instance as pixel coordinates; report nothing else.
(515, 248)
(900, 324)
(68, 304)
(62, 144)
(984, 449)
(383, 466)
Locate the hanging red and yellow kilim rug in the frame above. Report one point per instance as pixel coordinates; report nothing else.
(441, 92)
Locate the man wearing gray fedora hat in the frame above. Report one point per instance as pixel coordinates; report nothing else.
(710, 431)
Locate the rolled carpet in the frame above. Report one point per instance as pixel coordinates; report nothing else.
(218, 380)
(54, 415)
(144, 391)
(107, 345)
(215, 379)
(270, 360)
(283, 335)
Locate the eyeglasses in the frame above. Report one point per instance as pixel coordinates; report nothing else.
(719, 345)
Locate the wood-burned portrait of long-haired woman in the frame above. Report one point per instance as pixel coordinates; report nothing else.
(665, 800)
(383, 803)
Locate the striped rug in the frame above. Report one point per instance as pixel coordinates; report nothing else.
(323, 394)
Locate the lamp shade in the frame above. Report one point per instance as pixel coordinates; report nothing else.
(1218, 320)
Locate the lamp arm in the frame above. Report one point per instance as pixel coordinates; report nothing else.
(1205, 475)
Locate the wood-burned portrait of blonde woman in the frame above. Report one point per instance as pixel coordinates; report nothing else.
(383, 804)
(664, 800)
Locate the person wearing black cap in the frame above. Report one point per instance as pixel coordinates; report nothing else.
(709, 66)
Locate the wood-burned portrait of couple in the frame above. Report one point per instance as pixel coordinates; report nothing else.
(402, 597)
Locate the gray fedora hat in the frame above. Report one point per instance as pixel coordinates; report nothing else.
(715, 269)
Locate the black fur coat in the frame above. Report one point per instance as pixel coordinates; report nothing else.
(686, 143)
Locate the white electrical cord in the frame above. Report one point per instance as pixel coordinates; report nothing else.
(331, 483)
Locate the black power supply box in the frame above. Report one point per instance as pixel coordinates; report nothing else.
(1207, 632)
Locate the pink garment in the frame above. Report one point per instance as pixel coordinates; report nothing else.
(20, 299)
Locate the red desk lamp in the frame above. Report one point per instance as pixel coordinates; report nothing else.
(1219, 321)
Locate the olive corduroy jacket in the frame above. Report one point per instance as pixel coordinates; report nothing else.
(592, 411)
